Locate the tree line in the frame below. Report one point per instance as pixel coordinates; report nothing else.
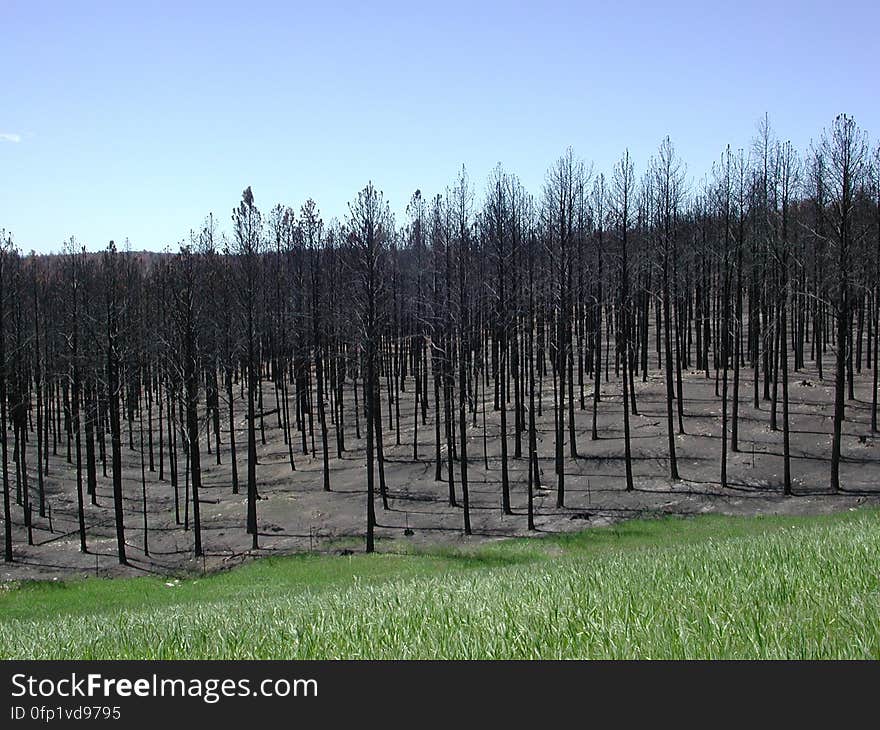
(506, 300)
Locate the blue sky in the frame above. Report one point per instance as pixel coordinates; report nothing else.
(137, 119)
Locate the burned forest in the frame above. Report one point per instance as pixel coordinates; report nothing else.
(489, 361)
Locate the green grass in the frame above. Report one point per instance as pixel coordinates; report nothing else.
(707, 587)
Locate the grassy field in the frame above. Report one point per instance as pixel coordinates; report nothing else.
(707, 587)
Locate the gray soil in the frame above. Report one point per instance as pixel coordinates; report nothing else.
(296, 515)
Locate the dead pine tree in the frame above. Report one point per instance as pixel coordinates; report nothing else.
(38, 368)
(461, 202)
(74, 296)
(724, 195)
(188, 321)
(437, 335)
(247, 247)
(312, 228)
(448, 335)
(229, 355)
(875, 188)
(845, 151)
(369, 225)
(788, 180)
(621, 202)
(599, 214)
(417, 213)
(113, 306)
(667, 183)
(495, 220)
(6, 248)
(741, 173)
(560, 195)
(534, 478)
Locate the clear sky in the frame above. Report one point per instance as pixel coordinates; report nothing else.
(137, 119)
